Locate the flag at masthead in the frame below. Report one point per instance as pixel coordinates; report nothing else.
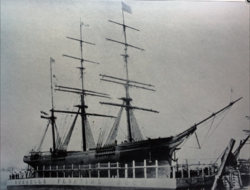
(126, 8)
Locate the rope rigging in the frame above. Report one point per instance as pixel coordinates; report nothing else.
(41, 142)
(65, 141)
(207, 137)
(136, 132)
(65, 127)
(219, 122)
(90, 143)
(113, 132)
(208, 131)
(58, 138)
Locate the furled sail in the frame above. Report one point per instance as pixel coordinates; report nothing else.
(90, 142)
(135, 130)
(101, 137)
(58, 138)
(113, 133)
(64, 144)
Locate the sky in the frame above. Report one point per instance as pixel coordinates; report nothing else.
(196, 55)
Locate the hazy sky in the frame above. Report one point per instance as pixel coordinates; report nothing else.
(196, 54)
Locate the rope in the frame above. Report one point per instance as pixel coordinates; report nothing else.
(219, 123)
(123, 133)
(65, 128)
(208, 131)
(178, 113)
(65, 142)
(41, 142)
(219, 157)
(58, 139)
(114, 130)
(103, 126)
(184, 141)
(90, 142)
(135, 130)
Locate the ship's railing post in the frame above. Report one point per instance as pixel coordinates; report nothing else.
(126, 170)
(117, 170)
(212, 170)
(72, 171)
(173, 172)
(64, 171)
(108, 169)
(57, 171)
(188, 170)
(36, 171)
(98, 170)
(198, 171)
(133, 168)
(50, 171)
(181, 170)
(156, 168)
(209, 167)
(202, 171)
(43, 170)
(89, 170)
(145, 169)
(79, 170)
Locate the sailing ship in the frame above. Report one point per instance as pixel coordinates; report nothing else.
(134, 148)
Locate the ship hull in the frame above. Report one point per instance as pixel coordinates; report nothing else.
(160, 149)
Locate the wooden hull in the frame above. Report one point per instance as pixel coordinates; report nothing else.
(152, 149)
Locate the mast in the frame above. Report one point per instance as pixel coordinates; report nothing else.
(127, 100)
(52, 118)
(82, 96)
(126, 82)
(82, 91)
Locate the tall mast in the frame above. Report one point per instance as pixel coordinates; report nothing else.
(82, 91)
(82, 96)
(52, 110)
(127, 83)
(128, 99)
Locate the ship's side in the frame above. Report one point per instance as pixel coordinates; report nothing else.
(160, 149)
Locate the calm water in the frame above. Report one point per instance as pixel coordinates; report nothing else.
(4, 177)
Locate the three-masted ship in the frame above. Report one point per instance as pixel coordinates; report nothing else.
(134, 148)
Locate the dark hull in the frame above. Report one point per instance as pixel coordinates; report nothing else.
(156, 149)
(160, 149)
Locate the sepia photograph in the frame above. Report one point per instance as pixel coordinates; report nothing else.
(128, 95)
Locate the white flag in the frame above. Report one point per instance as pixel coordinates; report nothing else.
(126, 8)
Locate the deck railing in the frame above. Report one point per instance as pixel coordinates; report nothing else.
(118, 170)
